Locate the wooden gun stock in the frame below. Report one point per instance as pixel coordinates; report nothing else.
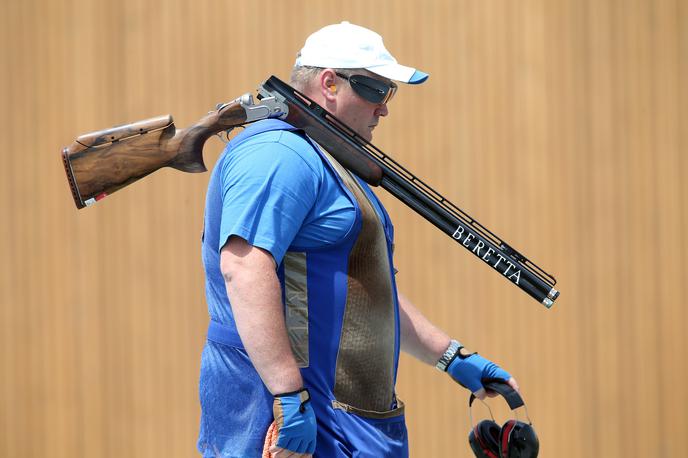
(99, 163)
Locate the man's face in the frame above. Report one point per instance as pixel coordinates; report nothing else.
(356, 112)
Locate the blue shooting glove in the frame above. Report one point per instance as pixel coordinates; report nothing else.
(469, 370)
(295, 421)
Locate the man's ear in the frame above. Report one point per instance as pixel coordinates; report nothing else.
(328, 85)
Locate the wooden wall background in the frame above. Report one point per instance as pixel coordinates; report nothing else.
(559, 124)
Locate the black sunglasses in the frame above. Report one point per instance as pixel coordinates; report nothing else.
(370, 89)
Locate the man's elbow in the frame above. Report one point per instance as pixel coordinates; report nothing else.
(228, 268)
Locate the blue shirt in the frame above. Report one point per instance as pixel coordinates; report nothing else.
(273, 190)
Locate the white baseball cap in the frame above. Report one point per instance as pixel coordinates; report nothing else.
(348, 45)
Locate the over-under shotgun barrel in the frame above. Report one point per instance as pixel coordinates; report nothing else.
(378, 169)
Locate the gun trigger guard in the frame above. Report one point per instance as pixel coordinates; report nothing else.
(225, 140)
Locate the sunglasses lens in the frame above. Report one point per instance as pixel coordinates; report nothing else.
(372, 90)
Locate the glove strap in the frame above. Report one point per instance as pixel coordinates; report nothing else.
(304, 395)
(449, 354)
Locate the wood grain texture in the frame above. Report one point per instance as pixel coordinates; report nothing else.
(561, 125)
(117, 133)
(102, 162)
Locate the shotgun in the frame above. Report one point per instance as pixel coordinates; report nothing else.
(99, 163)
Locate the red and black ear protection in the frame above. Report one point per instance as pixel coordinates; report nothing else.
(515, 439)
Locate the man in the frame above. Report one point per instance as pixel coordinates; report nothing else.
(306, 321)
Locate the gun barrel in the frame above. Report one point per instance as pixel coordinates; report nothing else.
(377, 168)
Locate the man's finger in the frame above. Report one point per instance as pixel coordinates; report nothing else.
(278, 452)
(480, 394)
(513, 384)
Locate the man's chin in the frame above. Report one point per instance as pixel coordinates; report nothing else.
(366, 134)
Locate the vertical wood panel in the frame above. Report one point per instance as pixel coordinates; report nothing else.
(561, 125)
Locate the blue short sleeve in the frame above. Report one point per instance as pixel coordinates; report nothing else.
(269, 185)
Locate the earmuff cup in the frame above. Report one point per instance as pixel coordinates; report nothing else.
(484, 439)
(515, 439)
(518, 440)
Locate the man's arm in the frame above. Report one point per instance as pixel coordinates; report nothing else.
(255, 294)
(425, 341)
(419, 337)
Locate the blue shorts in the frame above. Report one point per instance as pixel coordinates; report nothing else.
(343, 434)
(236, 411)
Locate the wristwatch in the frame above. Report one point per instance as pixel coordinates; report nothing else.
(445, 359)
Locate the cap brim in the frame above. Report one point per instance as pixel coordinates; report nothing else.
(399, 73)
(418, 77)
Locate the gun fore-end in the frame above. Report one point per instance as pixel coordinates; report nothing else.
(306, 114)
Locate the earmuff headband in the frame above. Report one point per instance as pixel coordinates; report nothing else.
(498, 386)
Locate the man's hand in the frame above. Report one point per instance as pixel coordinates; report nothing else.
(296, 425)
(470, 370)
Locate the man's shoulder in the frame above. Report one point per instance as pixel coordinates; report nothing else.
(271, 131)
(276, 146)
(294, 139)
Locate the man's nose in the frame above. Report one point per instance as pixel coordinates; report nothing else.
(382, 110)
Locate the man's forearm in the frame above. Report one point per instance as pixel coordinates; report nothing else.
(419, 337)
(425, 341)
(254, 292)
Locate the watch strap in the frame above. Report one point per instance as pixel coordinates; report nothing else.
(448, 356)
